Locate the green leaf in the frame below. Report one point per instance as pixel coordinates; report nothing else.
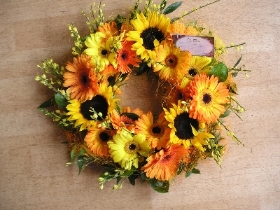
(132, 116)
(60, 100)
(159, 186)
(132, 179)
(73, 153)
(80, 163)
(195, 171)
(143, 67)
(188, 173)
(220, 70)
(225, 114)
(127, 173)
(238, 61)
(162, 5)
(172, 7)
(46, 104)
(119, 20)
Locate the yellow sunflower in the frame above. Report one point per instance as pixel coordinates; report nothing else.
(184, 129)
(96, 140)
(96, 109)
(100, 49)
(157, 133)
(148, 32)
(170, 62)
(209, 97)
(126, 148)
(80, 78)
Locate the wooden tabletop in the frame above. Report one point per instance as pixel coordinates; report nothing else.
(33, 173)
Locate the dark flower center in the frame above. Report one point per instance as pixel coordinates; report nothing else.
(98, 103)
(124, 55)
(171, 61)
(156, 130)
(183, 127)
(132, 147)
(149, 35)
(104, 136)
(111, 80)
(104, 52)
(206, 98)
(84, 79)
(192, 72)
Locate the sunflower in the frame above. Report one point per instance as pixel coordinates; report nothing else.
(80, 78)
(96, 140)
(157, 133)
(184, 129)
(96, 109)
(164, 164)
(170, 62)
(209, 97)
(149, 32)
(127, 58)
(126, 148)
(100, 49)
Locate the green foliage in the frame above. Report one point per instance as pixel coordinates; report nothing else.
(172, 7)
(193, 171)
(46, 104)
(225, 114)
(60, 100)
(159, 186)
(220, 70)
(162, 5)
(143, 67)
(132, 116)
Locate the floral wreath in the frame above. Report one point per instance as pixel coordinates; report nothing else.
(195, 87)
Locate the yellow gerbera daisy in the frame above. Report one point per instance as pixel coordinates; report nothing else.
(96, 140)
(126, 148)
(149, 32)
(101, 50)
(184, 129)
(209, 97)
(86, 113)
(198, 65)
(157, 133)
(170, 62)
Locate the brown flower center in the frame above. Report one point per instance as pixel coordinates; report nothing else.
(104, 136)
(131, 147)
(206, 98)
(192, 72)
(98, 103)
(149, 35)
(84, 79)
(183, 124)
(104, 52)
(171, 61)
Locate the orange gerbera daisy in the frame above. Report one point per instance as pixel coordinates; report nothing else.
(170, 62)
(157, 133)
(126, 58)
(164, 164)
(109, 29)
(96, 140)
(80, 78)
(209, 97)
(121, 121)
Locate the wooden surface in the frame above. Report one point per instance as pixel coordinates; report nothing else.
(33, 174)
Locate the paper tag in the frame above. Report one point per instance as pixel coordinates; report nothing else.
(196, 45)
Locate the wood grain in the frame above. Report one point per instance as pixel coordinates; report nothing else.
(33, 174)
